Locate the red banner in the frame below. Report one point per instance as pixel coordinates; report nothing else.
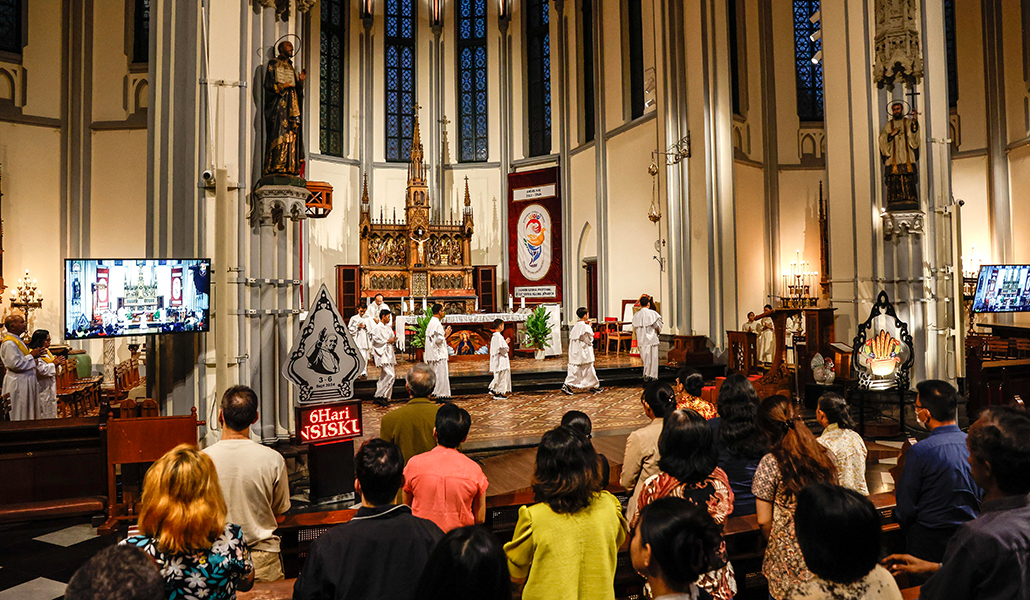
(103, 288)
(333, 422)
(176, 286)
(534, 235)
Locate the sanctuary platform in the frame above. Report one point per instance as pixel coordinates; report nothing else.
(529, 374)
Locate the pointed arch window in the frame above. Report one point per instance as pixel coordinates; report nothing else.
(331, 78)
(952, 49)
(473, 141)
(141, 31)
(586, 53)
(809, 74)
(10, 26)
(538, 76)
(400, 78)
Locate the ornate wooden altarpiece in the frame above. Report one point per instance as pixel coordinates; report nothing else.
(421, 255)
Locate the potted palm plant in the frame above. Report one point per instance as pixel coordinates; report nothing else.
(418, 339)
(538, 331)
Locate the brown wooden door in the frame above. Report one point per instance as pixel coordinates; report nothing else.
(348, 289)
(484, 280)
(591, 267)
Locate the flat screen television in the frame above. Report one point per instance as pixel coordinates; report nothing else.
(1002, 288)
(125, 297)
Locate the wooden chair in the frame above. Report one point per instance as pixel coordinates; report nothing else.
(131, 441)
(1022, 348)
(613, 333)
(998, 348)
(743, 352)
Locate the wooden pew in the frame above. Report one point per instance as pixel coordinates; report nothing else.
(275, 590)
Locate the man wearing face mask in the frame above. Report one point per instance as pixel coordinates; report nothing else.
(936, 492)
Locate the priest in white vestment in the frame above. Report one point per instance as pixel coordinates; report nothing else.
(766, 337)
(647, 324)
(581, 356)
(359, 327)
(377, 307)
(20, 381)
(436, 355)
(383, 338)
(500, 365)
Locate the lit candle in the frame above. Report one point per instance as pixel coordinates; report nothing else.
(522, 302)
(511, 303)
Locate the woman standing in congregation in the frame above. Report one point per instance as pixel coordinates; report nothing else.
(689, 471)
(840, 438)
(689, 386)
(795, 460)
(738, 441)
(673, 544)
(182, 526)
(565, 546)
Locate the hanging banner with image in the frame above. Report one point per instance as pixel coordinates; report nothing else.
(103, 288)
(534, 235)
(176, 286)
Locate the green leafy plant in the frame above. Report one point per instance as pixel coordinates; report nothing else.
(418, 339)
(538, 330)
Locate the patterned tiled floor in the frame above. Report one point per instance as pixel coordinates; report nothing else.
(459, 367)
(524, 417)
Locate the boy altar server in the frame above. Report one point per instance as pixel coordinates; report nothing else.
(500, 366)
(647, 324)
(436, 354)
(360, 326)
(383, 340)
(581, 356)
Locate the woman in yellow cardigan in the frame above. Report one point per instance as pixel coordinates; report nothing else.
(565, 546)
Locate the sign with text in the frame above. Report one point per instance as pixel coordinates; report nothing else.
(324, 361)
(535, 234)
(333, 422)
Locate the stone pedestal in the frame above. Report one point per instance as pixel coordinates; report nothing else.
(276, 201)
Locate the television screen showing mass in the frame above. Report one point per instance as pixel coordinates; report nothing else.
(1002, 288)
(119, 297)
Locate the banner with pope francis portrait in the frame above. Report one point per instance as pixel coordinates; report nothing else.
(534, 235)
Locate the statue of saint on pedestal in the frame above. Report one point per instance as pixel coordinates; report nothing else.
(899, 147)
(284, 148)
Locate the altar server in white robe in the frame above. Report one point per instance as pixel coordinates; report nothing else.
(436, 354)
(20, 381)
(383, 338)
(766, 337)
(360, 326)
(500, 366)
(46, 374)
(581, 356)
(647, 324)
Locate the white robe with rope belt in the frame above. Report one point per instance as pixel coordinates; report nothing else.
(20, 381)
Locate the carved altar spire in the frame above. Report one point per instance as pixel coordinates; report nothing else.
(416, 167)
(467, 210)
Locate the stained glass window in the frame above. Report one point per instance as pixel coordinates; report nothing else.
(472, 105)
(538, 76)
(586, 23)
(330, 94)
(400, 78)
(10, 26)
(809, 74)
(141, 32)
(734, 43)
(636, 58)
(949, 40)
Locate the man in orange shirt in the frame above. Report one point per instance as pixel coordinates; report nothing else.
(443, 485)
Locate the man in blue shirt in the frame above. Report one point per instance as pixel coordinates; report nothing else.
(987, 559)
(936, 492)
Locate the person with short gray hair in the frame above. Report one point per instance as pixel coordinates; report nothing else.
(411, 426)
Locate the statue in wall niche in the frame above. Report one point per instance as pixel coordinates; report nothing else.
(899, 147)
(284, 148)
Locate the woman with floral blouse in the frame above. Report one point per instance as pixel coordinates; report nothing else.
(688, 387)
(182, 525)
(795, 460)
(840, 438)
(688, 470)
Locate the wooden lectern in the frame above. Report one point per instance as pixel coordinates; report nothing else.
(779, 379)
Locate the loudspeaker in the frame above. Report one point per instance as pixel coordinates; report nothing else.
(331, 471)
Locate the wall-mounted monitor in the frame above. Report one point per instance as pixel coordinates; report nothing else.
(1002, 288)
(124, 297)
